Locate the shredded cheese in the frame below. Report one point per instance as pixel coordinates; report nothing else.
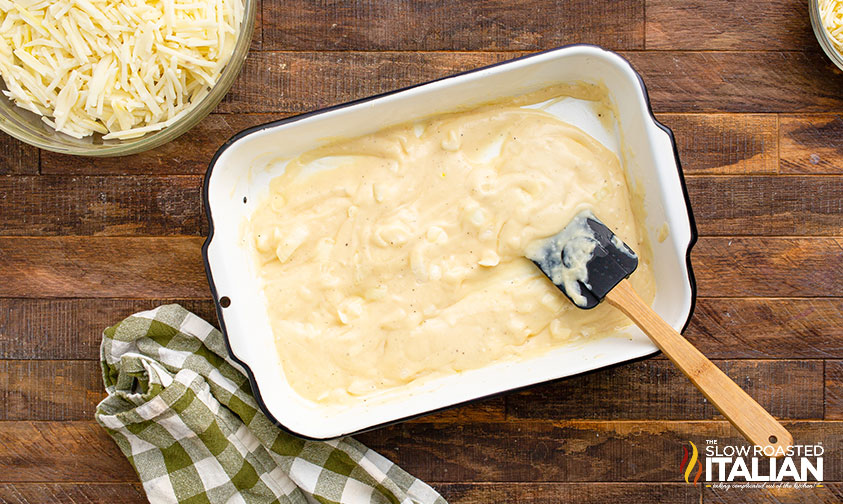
(122, 68)
(831, 14)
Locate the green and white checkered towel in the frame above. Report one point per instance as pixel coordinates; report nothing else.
(184, 415)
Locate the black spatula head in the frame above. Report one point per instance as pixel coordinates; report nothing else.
(585, 260)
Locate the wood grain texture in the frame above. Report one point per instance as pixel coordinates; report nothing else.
(456, 493)
(811, 144)
(171, 205)
(257, 35)
(72, 328)
(295, 81)
(768, 267)
(461, 493)
(829, 493)
(17, 157)
(64, 493)
(729, 328)
(485, 410)
(568, 451)
(60, 452)
(171, 267)
(526, 451)
(433, 25)
(708, 144)
(677, 81)
(834, 389)
(580, 493)
(730, 26)
(108, 206)
(188, 154)
(725, 143)
(755, 82)
(60, 390)
(650, 390)
(768, 328)
(76, 266)
(49, 390)
(767, 205)
(656, 389)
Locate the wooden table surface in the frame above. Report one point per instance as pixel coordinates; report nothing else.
(757, 111)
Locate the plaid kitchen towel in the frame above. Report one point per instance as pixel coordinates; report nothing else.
(184, 415)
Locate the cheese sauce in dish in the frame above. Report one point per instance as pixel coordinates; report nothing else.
(398, 256)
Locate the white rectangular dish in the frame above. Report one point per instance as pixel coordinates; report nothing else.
(239, 176)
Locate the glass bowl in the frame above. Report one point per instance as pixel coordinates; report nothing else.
(822, 35)
(28, 127)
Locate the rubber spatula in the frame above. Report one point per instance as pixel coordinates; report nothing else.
(588, 263)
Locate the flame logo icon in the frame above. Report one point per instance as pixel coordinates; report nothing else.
(687, 466)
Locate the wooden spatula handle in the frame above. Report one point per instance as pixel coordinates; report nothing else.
(749, 417)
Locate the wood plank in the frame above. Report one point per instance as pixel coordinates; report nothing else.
(829, 493)
(295, 81)
(257, 35)
(657, 390)
(527, 451)
(17, 157)
(581, 493)
(109, 206)
(462, 493)
(484, 410)
(767, 205)
(725, 143)
(61, 452)
(75, 266)
(811, 143)
(70, 390)
(725, 25)
(768, 328)
(677, 81)
(726, 328)
(650, 390)
(708, 144)
(188, 154)
(171, 267)
(768, 267)
(434, 25)
(49, 390)
(171, 205)
(71, 328)
(568, 451)
(62, 493)
(834, 389)
(756, 82)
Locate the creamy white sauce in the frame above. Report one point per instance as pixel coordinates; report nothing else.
(401, 258)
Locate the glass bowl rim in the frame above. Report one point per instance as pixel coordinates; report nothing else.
(822, 35)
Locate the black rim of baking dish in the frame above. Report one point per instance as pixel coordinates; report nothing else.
(254, 129)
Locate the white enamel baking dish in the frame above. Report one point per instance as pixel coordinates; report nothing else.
(238, 177)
